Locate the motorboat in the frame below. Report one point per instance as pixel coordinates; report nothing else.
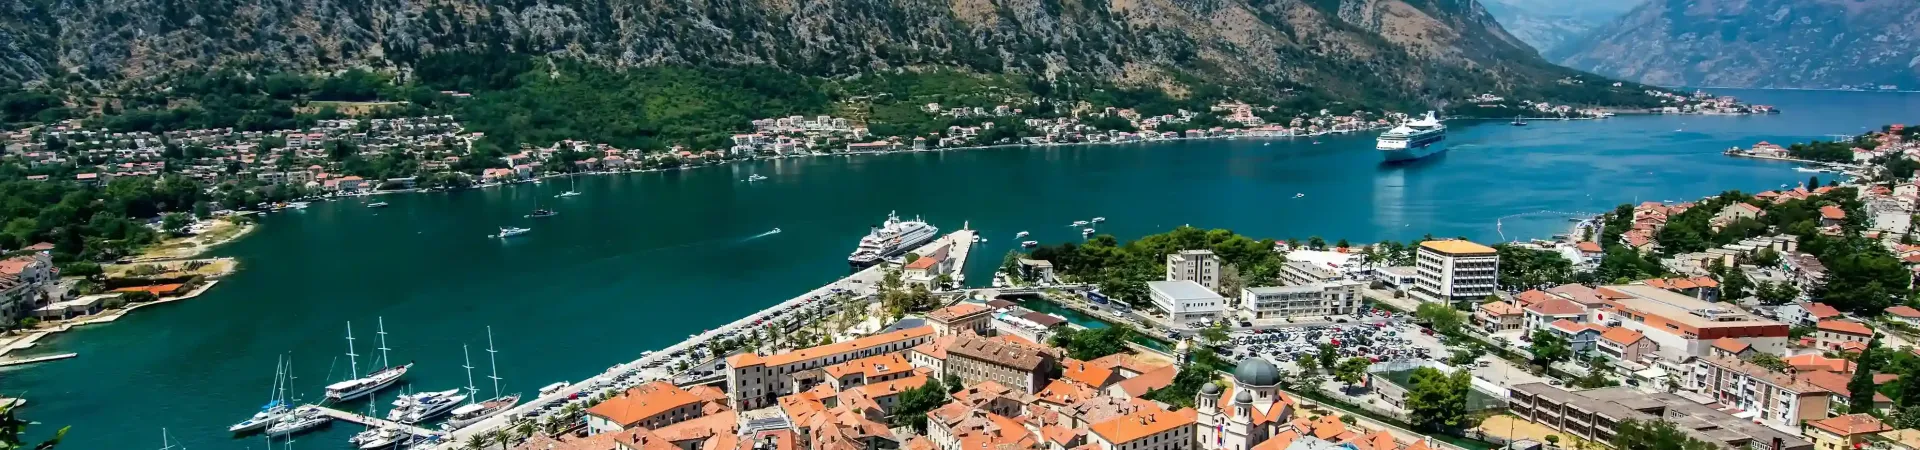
(300, 420)
(1020, 235)
(377, 205)
(1099, 219)
(1079, 223)
(432, 407)
(1086, 231)
(756, 177)
(542, 213)
(383, 437)
(1030, 244)
(507, 232)
(400, 405)
(1299, 194)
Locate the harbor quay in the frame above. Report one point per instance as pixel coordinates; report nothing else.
(654, 365)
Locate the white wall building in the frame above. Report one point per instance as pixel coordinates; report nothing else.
(1200, 266)
(1186, 301)
(1313, 300)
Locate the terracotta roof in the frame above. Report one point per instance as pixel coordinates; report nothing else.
(1328, 427)
(749, 359)
(1820, 310)
(1622, 335)
(923, 263)
(1731, 345)
(1457, 247)
(998, 352)
(1816, 361)
(1066, 393)
(1790, 382)
(1904, 311)
(1590, 247)
(643, 402)
(871, 366)
(1157, 379)
(1500, 308)
(1557, 307)
(1831, 212)
(1837, 382)
(1279, 441)
(955, 312)
(1142, 424)
(1572, 327)
(1123, 361)
(1845, 326)
(1085, 373)
(1852, 424)
(1531, 296)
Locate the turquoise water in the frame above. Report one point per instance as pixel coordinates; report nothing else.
(643, 260)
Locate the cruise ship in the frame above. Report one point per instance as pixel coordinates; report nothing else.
(892, 238)
(1415, 139)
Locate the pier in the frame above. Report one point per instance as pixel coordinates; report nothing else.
(35, 359)
(373, 422)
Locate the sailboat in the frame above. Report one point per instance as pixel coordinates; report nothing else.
(474, 412)
(372, 382)
(276, 406)
(166, 443)
(570, 188)
(375, 436)
(1519, 122)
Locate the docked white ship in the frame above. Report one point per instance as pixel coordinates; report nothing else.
(1415, 139)
(890, 239)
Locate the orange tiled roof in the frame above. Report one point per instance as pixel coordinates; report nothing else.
(1556, 307)
(1852, 425)
(643, 402)
(1142, 424)
(1731, 345)
(1622, 335)
(1904, 311)
(1139, 385)
(1086, 373)
(1845, 326)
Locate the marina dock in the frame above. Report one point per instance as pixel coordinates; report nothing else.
(864, 281)
(35, 359)
(373, 422)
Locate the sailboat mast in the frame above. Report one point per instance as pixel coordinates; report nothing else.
(384, 363)
(472, 392)
(353, 360)
(493, 363)
(279, 373)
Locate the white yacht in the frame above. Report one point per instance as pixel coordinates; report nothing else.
(1415, 139)
(570, 188)
(472, 412)
(1099, 219)
(301, 419)
(276, 406)
(1030, 244)
(372, 382)
(507, 232)
(431, 407)
(408, 404)
(1020, 235)
(893, 238)
(1086, 231)
(383, 437)
(1079, 223)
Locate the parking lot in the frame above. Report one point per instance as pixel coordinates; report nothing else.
(1378, 336)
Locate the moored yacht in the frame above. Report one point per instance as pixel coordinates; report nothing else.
(372, 382)
(301, 419)
(893, 238)
(472, 412)
(276, 406)
(507, 232)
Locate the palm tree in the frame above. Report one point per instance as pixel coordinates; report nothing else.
(526, 430)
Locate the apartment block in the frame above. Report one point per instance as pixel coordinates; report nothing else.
(1772, 398)
(1596, 414)
(1199, 266)
(1685, 327)
(1313, 300)
(1455, 271)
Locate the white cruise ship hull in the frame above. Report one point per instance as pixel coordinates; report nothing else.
(1409, 154)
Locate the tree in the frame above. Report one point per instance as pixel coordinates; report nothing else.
(1553, 440)
(1549, 347)
(12, 427)
(1524, 268)
(1769, 361)
(1437, 401)
(1771, 293)
(1766, 257)
(175, 223)
(1216, 334)
(1734, 285)
(1230, 281)
(915, 403)
(1862, 386)
(1443, 318)
(1316, 243)
(1342, 244)
(1329, 357)
(1352, 371)
(1091, 344)
(1910, 387)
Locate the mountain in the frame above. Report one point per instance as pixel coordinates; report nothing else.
(1758, 44)
(1547, 24)
(1401, 49)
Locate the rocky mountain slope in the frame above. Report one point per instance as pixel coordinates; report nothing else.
(1411, 48)
(1547, 24)
(1758, 43)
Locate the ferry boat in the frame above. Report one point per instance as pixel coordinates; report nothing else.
(893, 238)
(1415, 139)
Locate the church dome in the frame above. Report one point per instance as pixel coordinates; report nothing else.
(1256, 371)
(1245, 396)
(1210, 389)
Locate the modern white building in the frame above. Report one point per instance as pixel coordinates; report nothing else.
(1313, 300)
(1199, 266)
(1186, 301)
(1456, 271)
